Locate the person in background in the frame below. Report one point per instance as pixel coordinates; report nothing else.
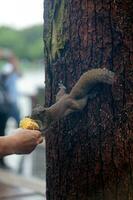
(8, 90)
(3, 114)
(12, 73)
(22, 141)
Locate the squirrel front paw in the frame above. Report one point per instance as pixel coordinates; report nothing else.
(61, 92)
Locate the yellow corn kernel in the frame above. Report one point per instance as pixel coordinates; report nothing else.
(28, 123)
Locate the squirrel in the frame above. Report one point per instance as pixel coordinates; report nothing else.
(76, 100)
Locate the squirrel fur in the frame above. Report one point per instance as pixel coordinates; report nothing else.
(76, 100)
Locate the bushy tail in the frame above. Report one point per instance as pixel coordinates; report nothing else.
(90, 79)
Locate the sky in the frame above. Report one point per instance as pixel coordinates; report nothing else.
(21, 13)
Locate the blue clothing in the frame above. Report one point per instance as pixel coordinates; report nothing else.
(11, 86)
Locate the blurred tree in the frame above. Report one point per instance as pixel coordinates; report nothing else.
(90, 154)
(26, 43)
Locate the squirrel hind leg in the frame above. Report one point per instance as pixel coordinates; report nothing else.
(76, 105)
(80, 104)
(92, 94)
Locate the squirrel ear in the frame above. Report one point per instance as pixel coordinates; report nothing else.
(37, 111)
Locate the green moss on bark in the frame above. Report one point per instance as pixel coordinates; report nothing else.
(54, 35)
(58, 37)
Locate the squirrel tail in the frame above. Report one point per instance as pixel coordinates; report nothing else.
(90, 79)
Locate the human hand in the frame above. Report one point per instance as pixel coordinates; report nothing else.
(24, 141)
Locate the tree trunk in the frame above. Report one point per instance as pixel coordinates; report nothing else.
(90, 154)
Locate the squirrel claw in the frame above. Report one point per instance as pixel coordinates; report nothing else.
(60, 84)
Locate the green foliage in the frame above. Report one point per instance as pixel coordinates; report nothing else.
(26, 43)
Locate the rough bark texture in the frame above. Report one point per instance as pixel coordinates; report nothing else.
(90, 154)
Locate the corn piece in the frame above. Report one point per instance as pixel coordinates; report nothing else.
(28, 123)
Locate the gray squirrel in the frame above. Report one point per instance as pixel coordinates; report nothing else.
(76, 100)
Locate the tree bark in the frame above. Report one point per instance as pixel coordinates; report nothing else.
(90, 154)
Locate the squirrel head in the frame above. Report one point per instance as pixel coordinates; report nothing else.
(41, 116)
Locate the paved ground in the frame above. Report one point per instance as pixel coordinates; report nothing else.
(9, 192)
(14, 187)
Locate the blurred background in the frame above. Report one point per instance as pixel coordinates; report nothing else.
(21, 37)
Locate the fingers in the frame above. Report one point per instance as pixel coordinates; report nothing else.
(37, 133)
(38, 136)
(40, 140)
(30, 134)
